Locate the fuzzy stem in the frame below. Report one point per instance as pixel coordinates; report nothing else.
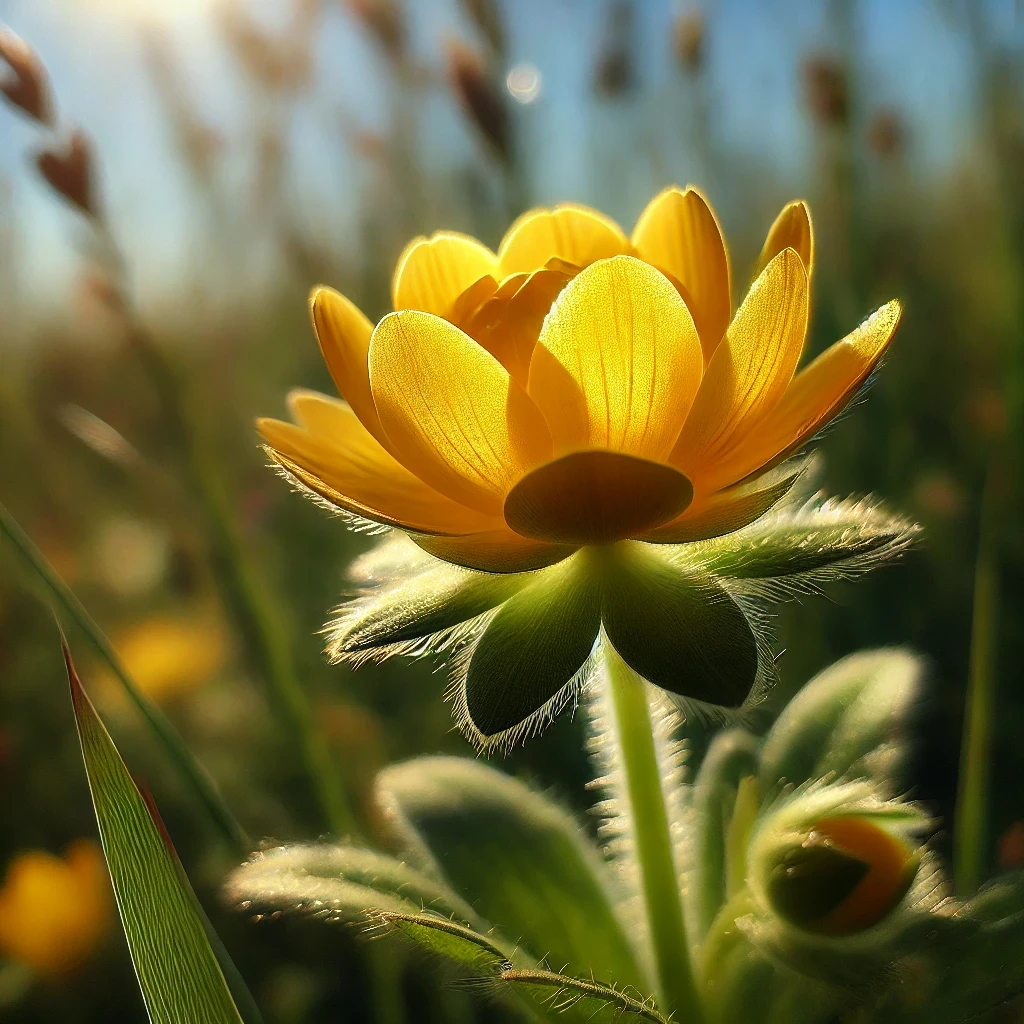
(677, 992)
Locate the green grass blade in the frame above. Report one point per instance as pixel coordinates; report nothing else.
(970, 820)
(177, 968)
(193, 773)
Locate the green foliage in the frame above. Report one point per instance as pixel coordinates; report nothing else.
(178, 969)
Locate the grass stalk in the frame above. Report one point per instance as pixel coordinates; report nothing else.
(247, 600)
(971, 816)
(195, 776)
(677, 991)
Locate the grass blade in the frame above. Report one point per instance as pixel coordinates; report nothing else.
(195, 776)
(177, 968)
(970, 819)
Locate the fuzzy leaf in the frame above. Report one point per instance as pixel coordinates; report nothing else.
(530, 652)
(441, 597)
(679, 629)
(176, 965)
(842, 719)
(451, 941)
(338, 882)
(587, 999)
(516, 857)
(807, 546)
(731, 757)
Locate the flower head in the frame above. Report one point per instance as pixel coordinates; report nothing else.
(55, 911)
(580, 416)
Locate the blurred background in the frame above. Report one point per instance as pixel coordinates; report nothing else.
(167, 201)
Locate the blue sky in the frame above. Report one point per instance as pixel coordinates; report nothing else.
(913, 56)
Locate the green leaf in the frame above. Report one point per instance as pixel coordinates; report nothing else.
(394, 618)
(339, 882)
(678, 628)
(731, 757)
(802, 548)
(452, 941)
(848, 720)
(522, 666)
(588, 1000)
(175, 963)
(516, 857)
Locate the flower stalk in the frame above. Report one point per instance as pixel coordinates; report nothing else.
(659, 879)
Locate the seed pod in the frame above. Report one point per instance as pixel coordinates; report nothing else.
(70, 170)
(29, 88)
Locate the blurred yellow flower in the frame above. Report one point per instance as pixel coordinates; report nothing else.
(54, 912)
(577, 387)
(171, 654)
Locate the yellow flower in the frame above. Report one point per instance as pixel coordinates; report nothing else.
(577, 390)
(168, 655)
(54, 912)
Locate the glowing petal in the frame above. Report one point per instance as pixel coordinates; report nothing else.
(819, 392)
(450, 410)
(618, 362)
(749, 372)
(433, 272)
(496, 550)
(531, 650)
(344, 336)
(792, 230)
(678, 233)
(338, 459)
(679, 630)
(723, 512)
(509, 324)
(595, 497)
(573, 234)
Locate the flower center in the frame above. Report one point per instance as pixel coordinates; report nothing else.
(596, 497)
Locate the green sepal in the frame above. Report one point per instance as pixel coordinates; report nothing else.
(588, 1000)
(179, 971)
(530, 652)
(678, 628)
(833, 539)
(516, 857)
(339, 882)
(395, 615)
(731, 756)
(847, 720)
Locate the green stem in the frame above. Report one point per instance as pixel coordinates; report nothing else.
(970, 820)
(659, 878)
(191, 770)
(247, 600)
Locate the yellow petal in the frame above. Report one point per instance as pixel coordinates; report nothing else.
(433, 272)
(678, 233)
(722, 512)
(509, 324)
(498, 550)
(451, 411)
(573, 234)
(618, 361)
(344, 336)
(749, 372)
(596, 497)
(819, 392)
(339, 460)
(792, 230)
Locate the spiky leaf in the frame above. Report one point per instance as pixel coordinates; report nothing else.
(181, 979)
(516, 857)
(589, 1000)
(338, 882)
(452, 941)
